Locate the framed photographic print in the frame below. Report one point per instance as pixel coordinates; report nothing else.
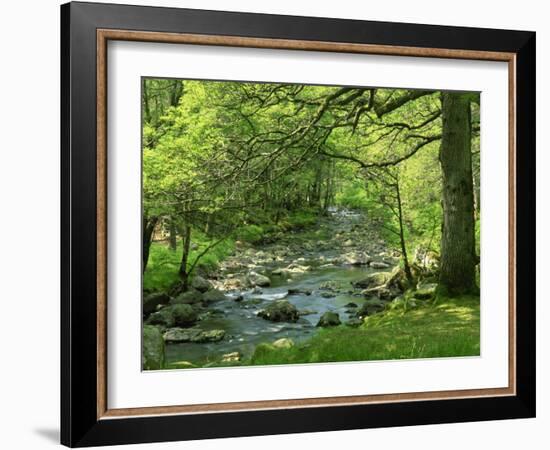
(276, 224)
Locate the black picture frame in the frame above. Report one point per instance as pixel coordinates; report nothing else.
(80, 425)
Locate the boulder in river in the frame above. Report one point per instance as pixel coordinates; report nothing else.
(237, 298)
(329, 286)
(189, 297)
(213, 295)
(177, 335)
(299, 291)
(257, 279)
(329, 319)
(280, 311)
(153, 349)
(297, 268)
(200, 284)
(169, 316)
(209, 336)
(355, 258)
(327, 294)
(370, 307)
(152, 301)
(180, 335)
(184, 315)
(291, 269)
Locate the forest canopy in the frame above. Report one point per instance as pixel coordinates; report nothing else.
(224, 157)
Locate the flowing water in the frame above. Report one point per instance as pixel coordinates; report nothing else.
(245, 330)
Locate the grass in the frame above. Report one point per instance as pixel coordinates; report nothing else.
(446, 328)
(162, 268)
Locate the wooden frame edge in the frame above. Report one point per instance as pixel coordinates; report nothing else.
(303, 403)
(512, 270)
(101, 224)
(289, 44)
(103, 36)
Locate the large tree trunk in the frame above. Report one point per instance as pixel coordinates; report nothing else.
(458, 260)
(149, 224)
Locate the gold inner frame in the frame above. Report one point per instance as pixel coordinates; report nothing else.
(103, 36)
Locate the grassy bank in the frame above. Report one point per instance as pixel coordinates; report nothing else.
(163, 265)
(450, 327)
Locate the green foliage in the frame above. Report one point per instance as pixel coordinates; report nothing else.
(162, 270)
(450, 327)
(298, 220)
(251, 234)
(353, 196)
(293, 221)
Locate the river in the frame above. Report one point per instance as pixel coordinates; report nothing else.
(324, 286)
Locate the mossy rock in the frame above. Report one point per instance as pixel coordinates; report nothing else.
(162, 317)
(174, 315)
(280, 311)
(190, 297)
(257, 279)
(213, 295)
(209, 336)
(179, 335)
(153, 349)
(370, 307)
(154, 300)
(184, 315)
(200, 284)
(329, 319)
